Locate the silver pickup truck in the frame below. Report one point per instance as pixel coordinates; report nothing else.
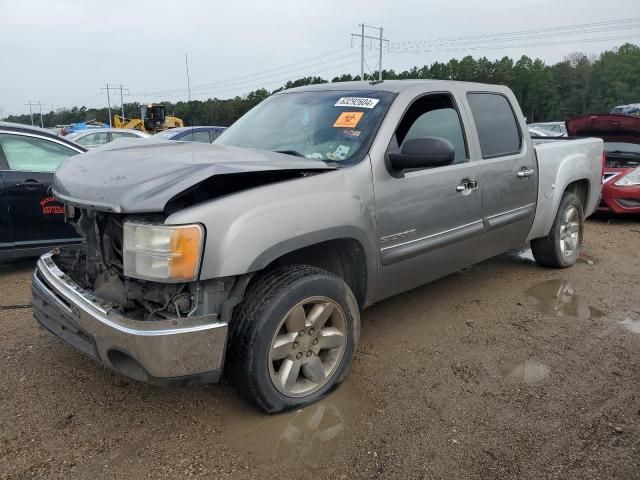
(258, 252)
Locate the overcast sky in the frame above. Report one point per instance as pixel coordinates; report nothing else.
(61, 52)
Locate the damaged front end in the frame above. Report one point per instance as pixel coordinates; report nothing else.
(99, 266)
(163, 332)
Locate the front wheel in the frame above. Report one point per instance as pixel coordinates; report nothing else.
(293, 338)
(560, 248)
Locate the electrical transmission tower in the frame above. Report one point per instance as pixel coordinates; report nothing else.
(32, 104)
(363, 37)
(108, 89)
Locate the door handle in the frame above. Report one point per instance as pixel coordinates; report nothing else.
(29, 184)
(466, 185)
(525, 172)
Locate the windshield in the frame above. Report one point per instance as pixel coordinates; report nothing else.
(614, 147)
(324, 125)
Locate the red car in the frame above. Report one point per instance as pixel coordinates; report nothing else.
(621, 174)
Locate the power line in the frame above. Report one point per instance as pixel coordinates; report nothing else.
(250, 79)
(540, 44)
(251, 76)
(529, 34)
(273, 82)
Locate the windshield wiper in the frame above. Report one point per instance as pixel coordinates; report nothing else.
(290, 152)
(621, 152)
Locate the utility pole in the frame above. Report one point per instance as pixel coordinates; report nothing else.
(32, 104)
(362, 39)
(108, 89)
(186, 63)
(1, 114)
(122, 99)
(362, 53)
(380, 58)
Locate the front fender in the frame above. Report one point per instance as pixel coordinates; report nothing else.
(247, 230)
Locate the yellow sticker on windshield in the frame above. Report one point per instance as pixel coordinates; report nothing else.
(348, 119)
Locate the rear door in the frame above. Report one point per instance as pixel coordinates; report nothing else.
(36, 217)
(508, 172)
(429, 221)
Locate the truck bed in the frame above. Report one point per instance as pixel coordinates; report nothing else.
(562, 161)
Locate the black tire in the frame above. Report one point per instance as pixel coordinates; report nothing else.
(547, 250)
(267, 301)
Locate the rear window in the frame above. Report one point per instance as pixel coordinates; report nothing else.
(496, 123)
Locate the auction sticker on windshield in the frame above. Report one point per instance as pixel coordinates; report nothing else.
(360, 102)
(348, 119)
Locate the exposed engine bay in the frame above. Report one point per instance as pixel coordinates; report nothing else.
(621, 161)
(97, 266)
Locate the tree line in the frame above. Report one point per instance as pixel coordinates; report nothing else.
(577, 85)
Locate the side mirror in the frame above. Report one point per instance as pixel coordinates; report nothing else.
(423, 153)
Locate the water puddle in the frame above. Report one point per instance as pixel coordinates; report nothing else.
(305, 436)
(631, 324)
(528, 371)
(558, 298)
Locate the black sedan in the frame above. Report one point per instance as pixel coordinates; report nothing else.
(31, 220)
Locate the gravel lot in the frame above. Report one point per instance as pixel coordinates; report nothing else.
(505, 370)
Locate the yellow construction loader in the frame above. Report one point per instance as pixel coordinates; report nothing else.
(153, 120)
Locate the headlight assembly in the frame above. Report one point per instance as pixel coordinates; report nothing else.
(164, 253)
(630, 179)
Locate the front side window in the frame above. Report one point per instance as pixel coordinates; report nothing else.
(433, 116)
(31, 154)
(496, 124)
(325, 125)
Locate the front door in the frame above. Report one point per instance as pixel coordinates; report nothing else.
(508, 172)
(429, 221)
(37, 219)
(6, 231)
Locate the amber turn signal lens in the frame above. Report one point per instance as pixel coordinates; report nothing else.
(185, 246)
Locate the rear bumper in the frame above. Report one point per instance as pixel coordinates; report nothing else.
(188, 351)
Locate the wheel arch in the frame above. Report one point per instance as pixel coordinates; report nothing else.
(581, 188)
(345, 257)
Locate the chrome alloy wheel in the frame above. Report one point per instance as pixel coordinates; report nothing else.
(307, 346)
(570, 232)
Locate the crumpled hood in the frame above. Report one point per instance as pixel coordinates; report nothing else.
(610, 127)
(143, 178)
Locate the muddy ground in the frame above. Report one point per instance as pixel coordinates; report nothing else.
(506, 370)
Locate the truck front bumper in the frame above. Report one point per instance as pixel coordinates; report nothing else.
(186, 351)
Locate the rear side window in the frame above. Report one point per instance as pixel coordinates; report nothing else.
(123, 135)
(496, 124)
(93, 139)
(201, 136)
(32, 154)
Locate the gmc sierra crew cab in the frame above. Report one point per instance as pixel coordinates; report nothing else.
(257, 253)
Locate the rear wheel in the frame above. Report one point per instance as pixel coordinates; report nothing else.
(293, 338)
(561, 247)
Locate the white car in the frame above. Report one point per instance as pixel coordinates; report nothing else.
(100, 136)
(559, 128)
